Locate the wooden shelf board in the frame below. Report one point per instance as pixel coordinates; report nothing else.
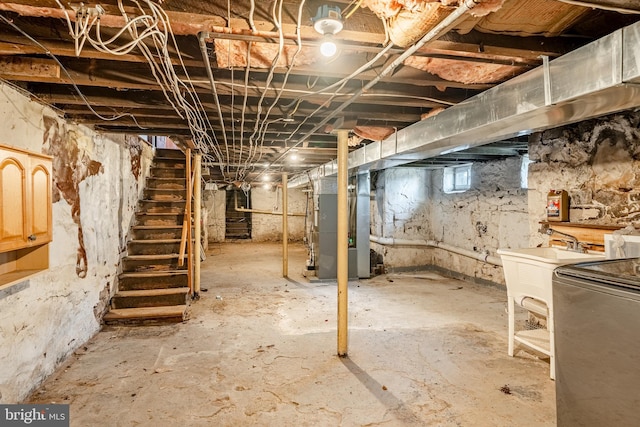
(17, 276)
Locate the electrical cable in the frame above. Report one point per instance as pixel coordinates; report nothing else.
(181, 94)
(66, 72)
(244, 103)
(251, 11)
(265, 125)
(356, 7)
(277, 18)
(233, 93)
(454, 18)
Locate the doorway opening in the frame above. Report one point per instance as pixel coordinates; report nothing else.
(237, 224)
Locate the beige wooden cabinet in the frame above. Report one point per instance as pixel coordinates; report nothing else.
(25, 213)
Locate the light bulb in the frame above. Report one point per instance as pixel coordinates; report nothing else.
(328, 48)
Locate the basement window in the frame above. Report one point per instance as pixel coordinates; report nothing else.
(457, 179)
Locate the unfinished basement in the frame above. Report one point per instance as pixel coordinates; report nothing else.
(320, 213)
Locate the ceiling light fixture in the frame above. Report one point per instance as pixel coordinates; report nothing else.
(328, 22)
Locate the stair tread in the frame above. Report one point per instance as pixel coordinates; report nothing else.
(146, 312)
(160, 213)
(163, 201)
(155, 241)
(150, 274)
(152, 292)
(155, 227)
(151, 257)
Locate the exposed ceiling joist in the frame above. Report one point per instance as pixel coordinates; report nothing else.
(93, 82)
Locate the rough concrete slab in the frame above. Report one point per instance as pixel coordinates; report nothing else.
(261, 350)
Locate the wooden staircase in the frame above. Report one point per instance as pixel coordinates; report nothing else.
(153, 287)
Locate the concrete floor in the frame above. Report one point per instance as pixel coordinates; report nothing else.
(260, 350)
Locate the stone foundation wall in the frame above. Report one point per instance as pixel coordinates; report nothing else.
(597, 162)
(97, 180)
(410, 204)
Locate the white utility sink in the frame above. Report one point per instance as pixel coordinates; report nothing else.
(553, 255)
(528, 273)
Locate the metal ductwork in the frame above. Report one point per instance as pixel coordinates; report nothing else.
(600, 78)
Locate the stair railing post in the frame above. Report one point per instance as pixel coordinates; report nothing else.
(188, 219)
(197, 206)
(285, 227)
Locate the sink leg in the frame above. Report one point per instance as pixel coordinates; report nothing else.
(512, 321)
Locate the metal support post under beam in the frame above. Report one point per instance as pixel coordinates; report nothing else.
(285, 228)
(343, 243)
(197, 206)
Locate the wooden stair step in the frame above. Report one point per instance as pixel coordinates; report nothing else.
(153, 292)
(159, 213)
(152, 274)
(155, 241)
(161, 296)
(175, 313)
(163, 178)
(151, 257)
(156, 227)
(152, 279)
(160, 201)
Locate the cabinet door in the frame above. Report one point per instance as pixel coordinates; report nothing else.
(39, 231)
(13, 200)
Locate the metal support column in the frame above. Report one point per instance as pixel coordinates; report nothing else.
(285, 227)
(197, 206)
(343, 243)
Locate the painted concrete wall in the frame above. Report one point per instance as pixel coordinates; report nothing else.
(214, 202)
(597, 162)
(400, 210)
(97, 180)
(410, 204)
(269, 227)
(265, 227)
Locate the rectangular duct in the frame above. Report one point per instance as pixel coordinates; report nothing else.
(595, 80)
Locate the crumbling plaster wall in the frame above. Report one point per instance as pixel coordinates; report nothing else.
(491, 215)
(410, 204)
(44, 319)
(597, 162)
